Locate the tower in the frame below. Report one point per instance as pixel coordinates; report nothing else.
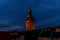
(30, 22)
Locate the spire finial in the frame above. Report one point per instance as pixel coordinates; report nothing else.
(29, 11)
(29, 14)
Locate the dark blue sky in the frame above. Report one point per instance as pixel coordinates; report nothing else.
(14, 12)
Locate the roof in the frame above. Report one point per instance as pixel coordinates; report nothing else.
(45, 34)
(56, 35)
(29, 15)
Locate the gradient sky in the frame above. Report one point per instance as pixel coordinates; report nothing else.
(14, 12)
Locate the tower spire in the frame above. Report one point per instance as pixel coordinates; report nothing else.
(29, 12)
(30, 22)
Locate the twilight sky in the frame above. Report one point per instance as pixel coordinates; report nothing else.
(14, 12)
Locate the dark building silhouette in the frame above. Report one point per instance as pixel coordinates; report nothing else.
(4, 36)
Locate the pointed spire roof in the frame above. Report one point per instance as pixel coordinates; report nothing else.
(29, 10)
(29, 14)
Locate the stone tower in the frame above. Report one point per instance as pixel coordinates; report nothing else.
(30, 22)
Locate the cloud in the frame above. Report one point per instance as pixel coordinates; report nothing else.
(17, 27)
(12, 28)
(51, 22)
(4, 22)
(2, 1)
